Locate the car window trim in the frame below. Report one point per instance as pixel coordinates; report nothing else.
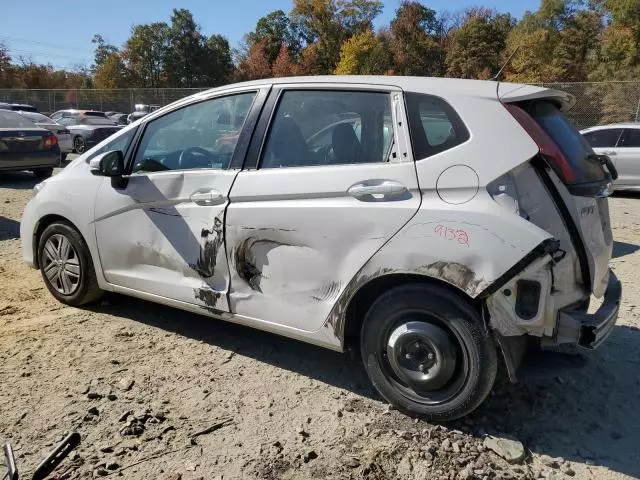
(258, 142)
(249, 122)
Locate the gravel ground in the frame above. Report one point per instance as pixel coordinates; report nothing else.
(160, 393)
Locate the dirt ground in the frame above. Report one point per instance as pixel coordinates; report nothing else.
(160, 393)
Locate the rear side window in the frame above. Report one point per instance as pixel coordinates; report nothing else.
(434, 125)
(631, 138)
(578, 152)
(9, 119)
(327, 127)
(606, 138)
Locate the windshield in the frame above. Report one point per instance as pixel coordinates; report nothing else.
(37, 117)
(9, 119)
(97, 121)
(574, 146)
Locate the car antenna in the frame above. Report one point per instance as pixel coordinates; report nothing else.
(496, 77)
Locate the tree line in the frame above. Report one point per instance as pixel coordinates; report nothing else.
(562, 41)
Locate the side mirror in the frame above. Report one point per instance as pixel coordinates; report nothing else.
(110, 164)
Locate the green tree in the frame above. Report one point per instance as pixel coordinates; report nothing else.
(475, 48)
(327, 24)
(144, 54)
(217, 64)
(277, 30)
(111, 73)
(6, 73)
(102, 50)
(185, 51)
(364, 54)
(415, 40)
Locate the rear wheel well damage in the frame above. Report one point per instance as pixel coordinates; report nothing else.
(511, 349)
(43, 223)
(367, 294)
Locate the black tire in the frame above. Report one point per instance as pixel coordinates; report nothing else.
(79, 144)
(429, 310)
(86, 285)
(43, 173)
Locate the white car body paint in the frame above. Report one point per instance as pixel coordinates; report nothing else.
(297, 246)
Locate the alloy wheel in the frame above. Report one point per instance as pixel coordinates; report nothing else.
(61, 264)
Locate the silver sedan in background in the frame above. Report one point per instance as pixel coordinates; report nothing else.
(621, 143)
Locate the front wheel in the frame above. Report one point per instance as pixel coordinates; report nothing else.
(79, 144)
(66, 266)
(426, 351)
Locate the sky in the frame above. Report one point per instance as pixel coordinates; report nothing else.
(60, 33)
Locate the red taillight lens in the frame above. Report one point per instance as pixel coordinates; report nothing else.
(545, 143)
(50, 141)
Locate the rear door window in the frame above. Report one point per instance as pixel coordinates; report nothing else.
(434, 125)
(605, 138)
(631, 138)
(575, 148)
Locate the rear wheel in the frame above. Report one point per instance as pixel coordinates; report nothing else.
(66, 266)
(427, 353)
(79, 144)
(43, 173)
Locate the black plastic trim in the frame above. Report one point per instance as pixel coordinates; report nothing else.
(522, 310)
(252, 158)
(547, 247)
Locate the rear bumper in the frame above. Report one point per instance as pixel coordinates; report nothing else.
(589, 330)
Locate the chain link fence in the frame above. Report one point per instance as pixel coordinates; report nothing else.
(118, 100)
(597, 103)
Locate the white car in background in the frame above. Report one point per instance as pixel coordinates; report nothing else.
(462, 223)
(65, 140)
(621, 143)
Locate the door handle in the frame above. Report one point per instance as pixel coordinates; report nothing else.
(207, 197)
(382, 190)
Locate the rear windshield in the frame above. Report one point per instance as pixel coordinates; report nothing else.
(9, 119)
(574, 146)
(97, 121)
(23, 108)
(95, 114)
(37, 117)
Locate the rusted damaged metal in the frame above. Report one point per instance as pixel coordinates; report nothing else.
(206, 263)
(208, 297)
(250, 257)
(454, 273)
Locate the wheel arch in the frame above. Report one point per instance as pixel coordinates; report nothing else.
(369, 292)
(42, 224)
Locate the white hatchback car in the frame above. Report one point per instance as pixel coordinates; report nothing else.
(620, 142)
(464, 222)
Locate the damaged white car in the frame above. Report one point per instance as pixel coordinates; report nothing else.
(438, 225)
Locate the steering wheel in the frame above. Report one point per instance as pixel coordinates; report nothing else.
(194, 157)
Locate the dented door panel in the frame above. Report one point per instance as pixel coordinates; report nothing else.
(153, 237)
(295, 246)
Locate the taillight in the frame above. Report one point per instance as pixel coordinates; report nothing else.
(547, 146)
(50, 141)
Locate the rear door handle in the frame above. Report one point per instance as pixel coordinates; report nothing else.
(381, 190)
(207, 197)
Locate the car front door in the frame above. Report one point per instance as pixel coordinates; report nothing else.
(305, 215)
(627, 158)
(161, 231)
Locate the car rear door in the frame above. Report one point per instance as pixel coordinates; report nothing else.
(627, 159)
(305, 216)
(161, 232)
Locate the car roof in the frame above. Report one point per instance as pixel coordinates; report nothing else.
(613, 125)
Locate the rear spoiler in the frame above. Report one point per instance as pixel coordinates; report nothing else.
(511, 93)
